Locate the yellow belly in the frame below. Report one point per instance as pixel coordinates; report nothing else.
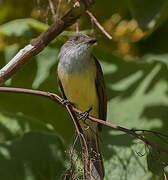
(80, 89)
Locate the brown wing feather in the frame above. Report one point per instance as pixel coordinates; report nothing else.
(61, 87)
(100, 86)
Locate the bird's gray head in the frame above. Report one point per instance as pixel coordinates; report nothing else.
(77, 46)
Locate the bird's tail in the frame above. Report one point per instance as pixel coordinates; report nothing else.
(93, 162)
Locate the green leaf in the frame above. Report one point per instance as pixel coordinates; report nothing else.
(35, 155)
(26, 27)
(45, 61)
(36, 25)
(11, 28)
(10, 51)
(162, 58)
(149, 14)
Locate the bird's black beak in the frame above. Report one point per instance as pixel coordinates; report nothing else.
(92, 41)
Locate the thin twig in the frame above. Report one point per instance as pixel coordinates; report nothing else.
(57, 10)
(150, 131)
(71, 113)
(160, 135)
(98, 24)
(72, 150)
(128, 131)
(165, 176)
(59, 100)
(74, 143)
(52, 8)
(79, 131)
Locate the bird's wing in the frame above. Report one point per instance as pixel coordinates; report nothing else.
(61, 87)
(100, 86)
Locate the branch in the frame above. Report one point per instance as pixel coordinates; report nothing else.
(25, 54)
(98, 24)
(59, 100)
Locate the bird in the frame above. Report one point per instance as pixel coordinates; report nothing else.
(81, 82)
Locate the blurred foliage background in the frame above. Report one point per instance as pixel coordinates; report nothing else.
(35, 133)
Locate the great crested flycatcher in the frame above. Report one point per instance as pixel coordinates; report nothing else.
(81, 81)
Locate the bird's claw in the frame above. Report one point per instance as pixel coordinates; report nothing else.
(85, 114)
(65, 101)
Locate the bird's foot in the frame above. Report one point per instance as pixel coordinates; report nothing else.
(65, 102)
(85, 114)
